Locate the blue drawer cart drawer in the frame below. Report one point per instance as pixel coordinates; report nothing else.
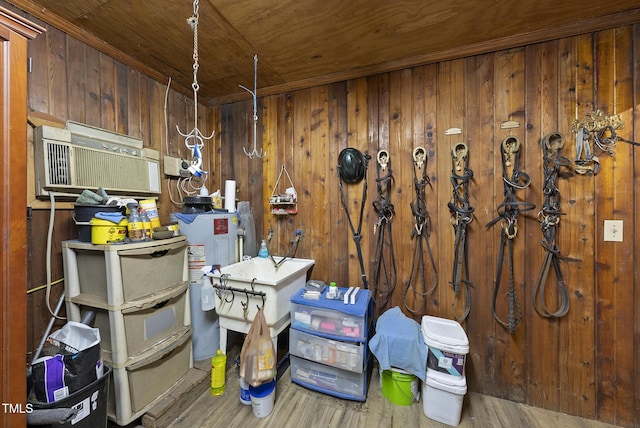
(328, 344)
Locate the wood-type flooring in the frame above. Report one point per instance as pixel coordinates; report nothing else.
(296, 406)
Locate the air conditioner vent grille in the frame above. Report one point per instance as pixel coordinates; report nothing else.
(59, 163)
(95, 168)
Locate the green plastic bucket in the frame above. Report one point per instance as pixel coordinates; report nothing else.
(400, 387)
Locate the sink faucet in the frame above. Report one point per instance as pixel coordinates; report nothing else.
(292, 249)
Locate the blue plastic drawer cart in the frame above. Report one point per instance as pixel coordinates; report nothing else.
(328, 344)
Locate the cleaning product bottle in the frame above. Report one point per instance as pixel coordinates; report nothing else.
(206, 296)
(263, 252)
(135, 228)
(218, 370)
(146, 223)
(245, 397)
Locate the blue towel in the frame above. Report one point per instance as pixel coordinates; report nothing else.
(190, 218)
(398, 343)
(112, 217)
(186, 218)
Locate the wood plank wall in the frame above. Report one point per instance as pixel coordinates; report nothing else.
(583, 364)
(72, 81)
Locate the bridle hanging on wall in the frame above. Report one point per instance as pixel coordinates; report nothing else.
(549, 218)
(461, 216)
(513, 179)
(382, 286)
(421, 234)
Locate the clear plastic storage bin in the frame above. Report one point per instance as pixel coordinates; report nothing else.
(332, 318)
(330, 380)
(343, 355)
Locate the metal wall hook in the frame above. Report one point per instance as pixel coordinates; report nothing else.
(255, 153)
(245, 307)
(419, 156)
(218, 291)
(233, 296)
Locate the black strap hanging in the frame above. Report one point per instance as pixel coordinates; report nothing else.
(549, 218)
(384, 275)
(461, 216)
(421, 235)
(513, 179)
(352, 168)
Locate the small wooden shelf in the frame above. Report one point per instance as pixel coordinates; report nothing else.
(284, 203)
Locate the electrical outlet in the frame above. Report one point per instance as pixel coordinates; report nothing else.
(173, 167)
(613, 230)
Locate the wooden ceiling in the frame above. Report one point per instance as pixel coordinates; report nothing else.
(306, 42)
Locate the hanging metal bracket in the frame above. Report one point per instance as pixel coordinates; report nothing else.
(255, 153)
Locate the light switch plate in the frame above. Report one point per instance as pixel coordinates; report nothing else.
(613, 230)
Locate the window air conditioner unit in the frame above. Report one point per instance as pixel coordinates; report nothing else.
(79, 157)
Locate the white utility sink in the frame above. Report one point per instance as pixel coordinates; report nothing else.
(238, 289)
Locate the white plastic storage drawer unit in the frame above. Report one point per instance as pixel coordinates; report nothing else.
(343, 355)
(126, 333)
(139, 293)
(141, 383)
(116, 274)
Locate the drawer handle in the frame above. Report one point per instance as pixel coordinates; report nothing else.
(157, 254)
(161, 304)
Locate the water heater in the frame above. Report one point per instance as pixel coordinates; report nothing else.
(211, 241)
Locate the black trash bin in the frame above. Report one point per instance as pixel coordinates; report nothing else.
(90, 402)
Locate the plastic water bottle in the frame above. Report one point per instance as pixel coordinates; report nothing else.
(218, 371)
(263, 252)
(135, 227)
(146, 223)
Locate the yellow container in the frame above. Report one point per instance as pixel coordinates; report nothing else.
(149, 205)
(107, 232)
(218, 371)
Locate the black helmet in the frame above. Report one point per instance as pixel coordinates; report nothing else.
(352, 165)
